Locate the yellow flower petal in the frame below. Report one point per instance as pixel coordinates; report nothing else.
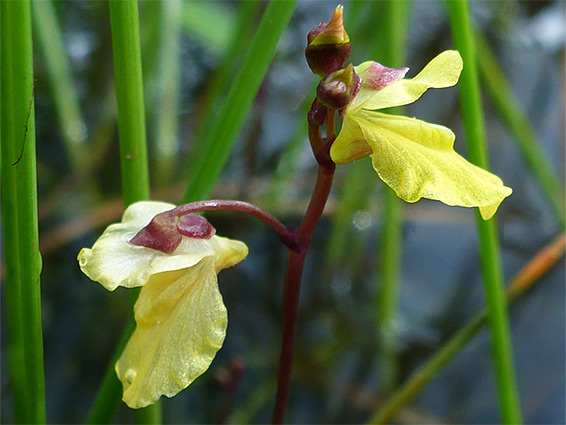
(417, 160)
(351, 144)
(114, 262)
(443, 71)
(181, 324)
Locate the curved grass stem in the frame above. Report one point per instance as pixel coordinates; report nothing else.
(490, 256)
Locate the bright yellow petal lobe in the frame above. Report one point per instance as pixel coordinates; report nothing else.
(181, 324)
(443, 71)
(351, 144)
(417, 160)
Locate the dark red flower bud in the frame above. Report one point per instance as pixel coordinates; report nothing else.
(338, 89)
(328, 46)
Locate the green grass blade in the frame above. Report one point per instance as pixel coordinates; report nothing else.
(490, 255)
(13, 294)
(219, 141)
(129, 94)
(135, 177)
(20, 191)
(517, 121)
(71, 122)
(109, 394)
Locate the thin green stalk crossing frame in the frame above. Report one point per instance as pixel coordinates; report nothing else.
(19, 194)
(216, 147)
(124, 17)
(129, 93)
(490, 256)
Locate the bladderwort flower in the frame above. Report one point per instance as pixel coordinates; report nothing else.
(415, 158)
(180, 317)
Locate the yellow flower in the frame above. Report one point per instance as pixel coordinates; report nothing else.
(413, 157)
(180, 317)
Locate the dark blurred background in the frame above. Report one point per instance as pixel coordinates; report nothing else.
(337, 369)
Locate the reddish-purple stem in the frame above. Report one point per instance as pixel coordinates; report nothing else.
(288, 237)
(296, 263)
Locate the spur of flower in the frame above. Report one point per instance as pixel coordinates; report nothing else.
(415, 158)
(180, 317)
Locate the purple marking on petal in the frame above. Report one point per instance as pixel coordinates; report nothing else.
(158, 234)
(376, 76)
(195, 226)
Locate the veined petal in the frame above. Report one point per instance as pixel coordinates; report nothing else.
(114, 262)
(417, 160)
(180, 325)
(351, 143)
(443, 71)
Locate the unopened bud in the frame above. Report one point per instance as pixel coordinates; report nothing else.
(339, 88)
(328, 46)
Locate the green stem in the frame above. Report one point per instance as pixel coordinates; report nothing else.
(525, 136)
(216, 147)
(129, 94)
(109, 394)
(71, 122)
(490, 256)
(131, 127)
(19, 191)
(395, 20)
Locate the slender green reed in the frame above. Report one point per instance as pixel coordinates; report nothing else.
(210, 161)
(517, 121)
(109, 394)
(135, 177)
(129, 93)
(169, 87)
(19, 191)
(490, 255)
(71, 122)
(10, 153)
(387, 300)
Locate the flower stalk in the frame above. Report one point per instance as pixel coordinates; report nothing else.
(296, 261)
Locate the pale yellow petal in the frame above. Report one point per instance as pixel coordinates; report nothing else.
(228, 252)
(180, 325)
(114, 262)
(417, 160)
(443, 71)
(351, 144)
